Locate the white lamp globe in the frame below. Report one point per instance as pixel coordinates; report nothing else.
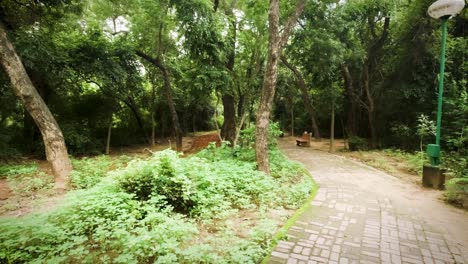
(446, 8)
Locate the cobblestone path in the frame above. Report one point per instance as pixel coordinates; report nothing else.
(361, 215)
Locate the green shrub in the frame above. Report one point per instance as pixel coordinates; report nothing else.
(357, 143)
(158, 178)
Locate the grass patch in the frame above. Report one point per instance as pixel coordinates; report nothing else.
(391, 160)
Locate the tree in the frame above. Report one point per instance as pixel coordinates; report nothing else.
(157, 62)
(55, 148)
(305, 95)
(276, 42)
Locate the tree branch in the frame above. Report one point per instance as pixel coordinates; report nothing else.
(291, 22)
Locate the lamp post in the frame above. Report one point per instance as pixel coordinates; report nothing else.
(443, 10)
(433, 176)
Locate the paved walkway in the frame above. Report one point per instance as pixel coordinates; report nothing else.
(361, 215)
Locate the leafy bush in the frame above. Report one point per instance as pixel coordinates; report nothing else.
(357, 143)
(158, 179)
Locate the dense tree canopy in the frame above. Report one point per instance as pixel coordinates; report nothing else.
(117, 73)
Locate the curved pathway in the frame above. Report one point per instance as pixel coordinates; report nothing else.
(362, 215)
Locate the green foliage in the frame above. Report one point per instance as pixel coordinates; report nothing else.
(29, 183)
(456, 164)
(425, 127)
(357, 143)
(96, 225)
(132, 215)
(25, 179)
(87, 172)
(247, 136)
(158, 179)
(17, 169)
(457, 191)
(79, 140)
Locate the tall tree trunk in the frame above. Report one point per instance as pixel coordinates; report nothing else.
(241, 123)
(352, 123)
(218, 132)
(275, 44)
(54, 143)
(153, 129)
(109, 134)
(370, 105)
(153, 110)
(168, 93)
(292, 120)
(305, 96)
(228, 130)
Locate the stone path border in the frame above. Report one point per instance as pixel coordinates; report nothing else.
(361, 215)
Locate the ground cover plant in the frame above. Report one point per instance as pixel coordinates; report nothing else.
(26, 185)
(213, 207)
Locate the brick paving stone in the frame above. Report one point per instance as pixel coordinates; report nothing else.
(279, 255)
(306, 251)
(348, 223)
(297, 256)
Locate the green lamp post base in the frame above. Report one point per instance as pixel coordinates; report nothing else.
(433, 151)
(433, 175)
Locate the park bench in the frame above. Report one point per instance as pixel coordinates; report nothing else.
(304, 140)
